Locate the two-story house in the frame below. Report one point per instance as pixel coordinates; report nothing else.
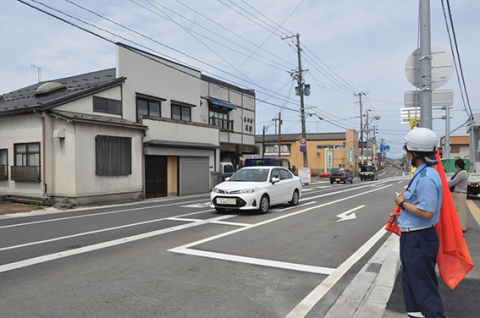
(148, 128)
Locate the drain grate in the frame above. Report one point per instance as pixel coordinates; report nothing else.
(374, 268)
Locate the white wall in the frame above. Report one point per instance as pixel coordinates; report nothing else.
(20, 129)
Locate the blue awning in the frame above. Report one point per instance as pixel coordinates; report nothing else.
(221, 104)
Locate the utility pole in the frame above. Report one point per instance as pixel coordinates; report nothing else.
(263, 143)
(361, 125)
(301, 90)
(279, 135)
(425, 65)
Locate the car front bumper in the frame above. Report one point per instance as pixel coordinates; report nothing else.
(238, 202)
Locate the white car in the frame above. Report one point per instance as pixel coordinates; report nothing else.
(256, 188)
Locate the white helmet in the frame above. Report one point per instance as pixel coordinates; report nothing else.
(421, 140)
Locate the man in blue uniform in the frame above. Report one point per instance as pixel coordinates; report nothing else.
(419, 241)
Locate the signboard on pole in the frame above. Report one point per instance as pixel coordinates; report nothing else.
(305, 175)
(350, 156)
(329, 159)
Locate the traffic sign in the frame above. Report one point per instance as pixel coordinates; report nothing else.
(303, 140)
(303, 149)
(442, 67)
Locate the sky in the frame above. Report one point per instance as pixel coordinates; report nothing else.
(348, 47)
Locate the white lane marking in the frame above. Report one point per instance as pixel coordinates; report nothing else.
(302, 309)
(347, 216)
(230, 223)
(208, 239)
(94, 247)
(259, 261)
(197, 205)
(46, 258)
(293, 207)
(92, 215)
(100, 231)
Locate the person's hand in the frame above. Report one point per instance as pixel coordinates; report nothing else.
(399, 198)
(392, 217)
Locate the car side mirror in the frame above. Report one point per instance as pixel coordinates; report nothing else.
(227, 179)
(275, 180)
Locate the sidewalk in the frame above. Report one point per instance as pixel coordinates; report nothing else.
(376, 291)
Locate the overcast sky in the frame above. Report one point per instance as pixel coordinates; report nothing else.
(348, 47)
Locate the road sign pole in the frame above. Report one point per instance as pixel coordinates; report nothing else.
(425, 64)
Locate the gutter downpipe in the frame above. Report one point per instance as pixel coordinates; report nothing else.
(43, 153)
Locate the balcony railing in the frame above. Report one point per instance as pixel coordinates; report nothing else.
(26, 173)
(224, 124)
(3, 172)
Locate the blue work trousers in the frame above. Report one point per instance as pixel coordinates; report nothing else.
(418, 253)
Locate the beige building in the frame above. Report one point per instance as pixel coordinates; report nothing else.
(459, 147)
(324, 150)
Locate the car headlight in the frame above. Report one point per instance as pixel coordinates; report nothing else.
(243, 191)
(216, 190)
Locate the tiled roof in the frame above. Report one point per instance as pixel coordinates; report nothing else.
(27, 98)
(457, 140)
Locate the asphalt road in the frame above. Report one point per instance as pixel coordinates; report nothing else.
(179, 258)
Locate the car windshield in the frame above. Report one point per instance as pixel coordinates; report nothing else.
(368, 169)
(252, 175)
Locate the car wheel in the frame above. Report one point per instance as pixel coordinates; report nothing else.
(351, 180)
(331, 182)
(264, 203)
(294, 198)
(220, 210)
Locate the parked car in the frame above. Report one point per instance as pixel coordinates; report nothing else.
(368, 172)
(341, 175)
(226, 169)
(256, 188)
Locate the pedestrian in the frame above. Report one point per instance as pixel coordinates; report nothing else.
(419, 242)
(459, 183)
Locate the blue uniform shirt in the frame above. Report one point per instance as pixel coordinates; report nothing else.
(426, 192)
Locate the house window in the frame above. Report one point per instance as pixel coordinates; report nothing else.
(27, 162)
(221, 120)
(3, 164)
(148, 107)
(180, 112)
(455, 150)
(113, 156)
(105, 105)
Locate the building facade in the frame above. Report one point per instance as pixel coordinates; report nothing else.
(325, 151)
(147, 128)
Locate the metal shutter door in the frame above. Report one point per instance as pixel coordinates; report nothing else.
(194, 175)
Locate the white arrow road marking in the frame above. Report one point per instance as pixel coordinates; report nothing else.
(347, 216)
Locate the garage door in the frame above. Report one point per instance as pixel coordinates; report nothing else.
(194, 175)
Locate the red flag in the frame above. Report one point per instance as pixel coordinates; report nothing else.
(454, 261)
(393, 226)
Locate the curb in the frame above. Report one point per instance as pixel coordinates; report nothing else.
(368, 293)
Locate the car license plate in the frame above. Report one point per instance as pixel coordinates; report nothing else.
(226, 201)
(337, 179)
(367, 174)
